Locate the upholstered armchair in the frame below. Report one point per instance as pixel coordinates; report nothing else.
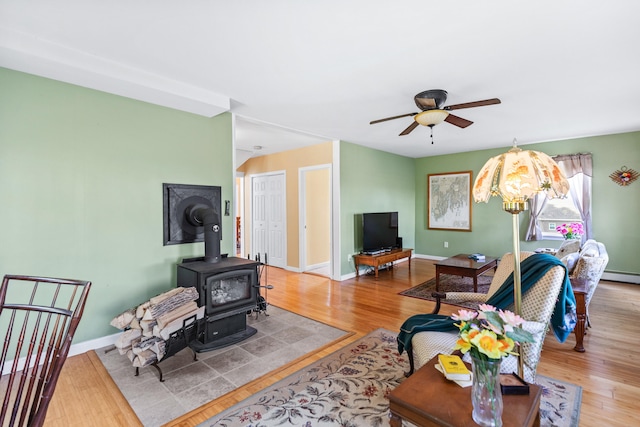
(537, 307)
(586, 262)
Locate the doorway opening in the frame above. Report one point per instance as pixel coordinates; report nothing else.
(315, 207)
(238, 214)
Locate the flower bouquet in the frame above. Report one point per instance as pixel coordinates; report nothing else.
(571, 231)
(489, 335)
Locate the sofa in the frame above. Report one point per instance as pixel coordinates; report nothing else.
(584, 261)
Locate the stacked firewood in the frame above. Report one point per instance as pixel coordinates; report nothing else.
(147, 327)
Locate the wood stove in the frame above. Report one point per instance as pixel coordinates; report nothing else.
(228, 289)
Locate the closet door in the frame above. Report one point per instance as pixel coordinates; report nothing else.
(258, 216)
(269, 218)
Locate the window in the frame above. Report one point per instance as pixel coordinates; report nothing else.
(547, 214)
(556, 212)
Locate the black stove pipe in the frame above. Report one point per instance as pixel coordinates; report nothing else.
(201, 215)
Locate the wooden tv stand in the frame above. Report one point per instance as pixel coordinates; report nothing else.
(376, 261)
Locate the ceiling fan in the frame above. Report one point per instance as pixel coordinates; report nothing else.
(431, 102)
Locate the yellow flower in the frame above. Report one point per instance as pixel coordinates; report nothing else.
(462, 345)
(487, 343)
(472, 333)
(506, 345)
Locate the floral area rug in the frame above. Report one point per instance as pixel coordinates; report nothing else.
(349, 387)
(450, 283)
(560, 402)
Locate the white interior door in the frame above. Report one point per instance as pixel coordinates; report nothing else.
(258, 215)
(268, 218)
(277, 220)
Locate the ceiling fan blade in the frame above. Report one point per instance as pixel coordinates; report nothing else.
(458, 121)
(408, 130)
(491, 101)
(391, 118)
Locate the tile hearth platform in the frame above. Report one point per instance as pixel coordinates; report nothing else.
(281, 338)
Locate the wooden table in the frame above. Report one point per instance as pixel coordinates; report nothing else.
(376, 261)
(579, 287)
(462, 265)
(426, 398)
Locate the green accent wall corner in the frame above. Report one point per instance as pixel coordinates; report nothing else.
(81, 174)
(373, 181)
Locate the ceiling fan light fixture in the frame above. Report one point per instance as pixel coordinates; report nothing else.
(431, 117)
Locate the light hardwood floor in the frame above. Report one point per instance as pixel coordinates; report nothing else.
(608, 371)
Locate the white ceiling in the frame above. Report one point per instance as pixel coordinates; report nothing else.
(301, 72)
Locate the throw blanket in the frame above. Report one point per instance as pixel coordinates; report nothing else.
(532, 269)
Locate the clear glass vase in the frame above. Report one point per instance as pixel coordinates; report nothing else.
(486, 395)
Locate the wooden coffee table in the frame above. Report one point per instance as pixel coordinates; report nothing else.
(426, 398)
(462, 265)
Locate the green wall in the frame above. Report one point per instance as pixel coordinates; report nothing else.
(81, 175)
(373, 181)
(615, 208)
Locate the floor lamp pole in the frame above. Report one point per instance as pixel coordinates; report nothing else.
(517, 277)
(516, 176)
(517, 280)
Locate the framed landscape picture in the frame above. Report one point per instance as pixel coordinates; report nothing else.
(449, 201)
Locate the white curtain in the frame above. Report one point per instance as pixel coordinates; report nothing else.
(536, 204)
(578, 169)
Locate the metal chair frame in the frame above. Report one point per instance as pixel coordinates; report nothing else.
(41, 318)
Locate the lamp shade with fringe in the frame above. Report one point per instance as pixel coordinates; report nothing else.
(516, 176)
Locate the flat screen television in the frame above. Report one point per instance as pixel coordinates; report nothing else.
(379, 231)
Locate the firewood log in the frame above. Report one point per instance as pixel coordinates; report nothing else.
(176, 324)
(125, 339)
(144, 358)
(147, 325)
(123, 320)
(163, 296)
(141, 309)
(145, 345)
(173, 302)
(169, 317)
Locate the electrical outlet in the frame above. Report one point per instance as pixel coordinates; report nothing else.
(349, 257)
(446, 244)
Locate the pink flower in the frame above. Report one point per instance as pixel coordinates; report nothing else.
(510, 318)
(486, 307)
(570, 231)
(465, 315)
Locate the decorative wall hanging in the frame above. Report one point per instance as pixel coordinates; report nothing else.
(449, 201)
(624, 176)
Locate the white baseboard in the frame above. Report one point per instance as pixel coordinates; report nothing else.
(75, 349)
(85, 346)
(293, 269)
(347, 276)
(317, 266)
(431, 257)
(621, 277)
